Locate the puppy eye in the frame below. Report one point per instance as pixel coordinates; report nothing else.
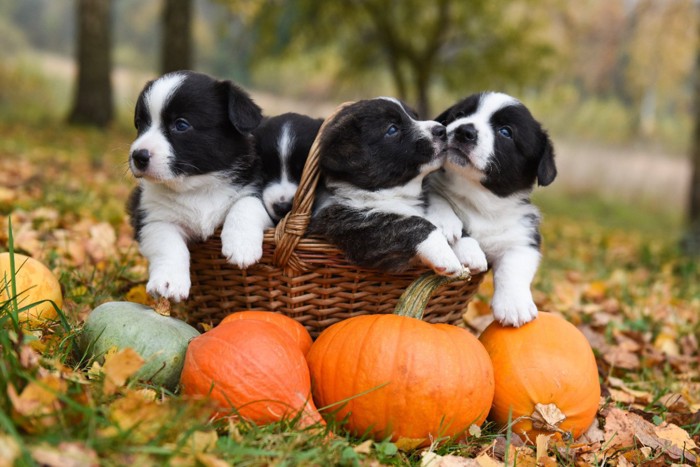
(181, 125)
(506, 131)
(392, 130)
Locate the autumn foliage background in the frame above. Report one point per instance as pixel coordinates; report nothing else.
(611, 259)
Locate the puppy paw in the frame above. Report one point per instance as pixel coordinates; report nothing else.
(470, 254)
(435, 253)
(171, 285)
(512, 308)
(242, 250)
(450, 226)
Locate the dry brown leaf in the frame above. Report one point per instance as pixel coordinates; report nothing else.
(9, 450)
(547, 417)
(35, 408)
(118, 367)
(676, 441)
(139, 413)
(364, 447)
(430, 459)
(72, 454)
(620, 427)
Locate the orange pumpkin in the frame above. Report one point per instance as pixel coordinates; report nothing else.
(251, 366)
(294, 328)
(546, 374)
(400, 377)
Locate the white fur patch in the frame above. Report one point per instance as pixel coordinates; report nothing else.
(164, 244)
(153, 139)
(480, 157)
(284, 190)
(242, 234)
(435, 253)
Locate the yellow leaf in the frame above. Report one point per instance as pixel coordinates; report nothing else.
(9, 450)
(138, 294)
(118, 367)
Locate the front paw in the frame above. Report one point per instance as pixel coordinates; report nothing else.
(470, 254)
(513, 308)
(450, 226)
(435, 253)
(171, 285)
(241, 250)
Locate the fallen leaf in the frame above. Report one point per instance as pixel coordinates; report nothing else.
(364, 447)
(9, 450)
(118, 367)
(547, 417)
(431, 459)
(72, 454)
(36, 407)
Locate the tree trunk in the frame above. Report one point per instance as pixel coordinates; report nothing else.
(691, 242)
(92, 103)
(176, 46)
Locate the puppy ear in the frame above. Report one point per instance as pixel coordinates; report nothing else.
(442, 118)
(546, 170)
(244, 114)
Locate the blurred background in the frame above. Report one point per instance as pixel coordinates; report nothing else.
(612, 80)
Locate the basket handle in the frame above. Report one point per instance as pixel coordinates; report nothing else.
(292, 227)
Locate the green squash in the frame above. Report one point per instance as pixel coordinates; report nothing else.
(160, 340)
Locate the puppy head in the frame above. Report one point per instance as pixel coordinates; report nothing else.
(189, 124)
(283, 143)
(494, 139)
(379, 143)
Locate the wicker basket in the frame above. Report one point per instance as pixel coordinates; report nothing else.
(306, 278)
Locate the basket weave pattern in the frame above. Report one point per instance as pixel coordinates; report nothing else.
(306, 278)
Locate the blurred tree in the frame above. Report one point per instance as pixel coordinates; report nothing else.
(92, 104)
(691, 241)
(176, 46)
(467, 44)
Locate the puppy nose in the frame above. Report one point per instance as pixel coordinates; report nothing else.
(141, 157)
(281, 208)
(439, 131)
(466, 133)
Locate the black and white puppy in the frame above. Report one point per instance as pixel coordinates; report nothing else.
(374, 155)
(197, 170)
(283, 143)
(497, 152)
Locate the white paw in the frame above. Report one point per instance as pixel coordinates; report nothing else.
(435, 253)
(242, 248)
(450, 226)
(513, 308)
(470, 254)
(172, 285)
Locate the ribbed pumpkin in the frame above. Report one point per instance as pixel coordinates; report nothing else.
(294, 328)
(251, 366)
(545, 370)
(397, 376)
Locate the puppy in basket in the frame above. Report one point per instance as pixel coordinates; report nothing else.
(283, 143)
(197, 170)
(373, 156)
(497, 152)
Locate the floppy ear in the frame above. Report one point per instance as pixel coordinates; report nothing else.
(442, 118)
(546, 170)
(242, 111)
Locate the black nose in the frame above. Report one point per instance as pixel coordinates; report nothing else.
(141, 157)
(281, 208)
(466, 133)
(439, 131)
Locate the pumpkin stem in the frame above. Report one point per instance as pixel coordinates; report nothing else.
(414, 299)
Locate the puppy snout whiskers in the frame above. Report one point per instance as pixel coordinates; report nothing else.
(141, 158)
(466, 133)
